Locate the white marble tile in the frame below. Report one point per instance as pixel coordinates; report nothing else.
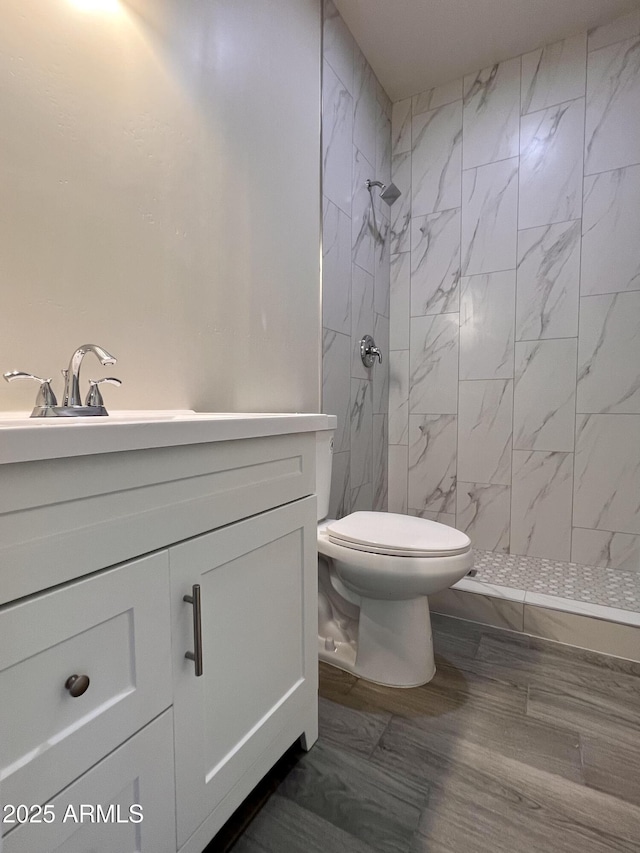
(548, 281)
(585, 632)
(489, 217)
(609, 354)
(401, 126)
(544, 396)
(362, 498)
(491, 114)
(398, 396)
(340, 497)
(336, 384)
(610, 244)
(483, 512)
(337, 44)
(541, 504)
(399, 301)
(432, 463)
(607, 473)
(612, 133)
(437, 97)
(570, 606)
(400, 217)
(383, 159)
(487, 313)
(507, 593)
(484, 431)
(448, 518)
(398, 477)
(361, 318)
(434, 364)
(337, 144)
(435, 263)
(551, 144)
(361, 432)
(380, 372)
(485, 609)
(380, 463)
(363, 232)
(606, 548)
(364, 106)
(620, 29)
(554, 73)
(336, 269)
(382, 272)
(436, 159)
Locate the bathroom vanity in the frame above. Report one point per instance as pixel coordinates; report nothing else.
(135, 552)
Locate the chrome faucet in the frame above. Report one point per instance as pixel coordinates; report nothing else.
(71, 396)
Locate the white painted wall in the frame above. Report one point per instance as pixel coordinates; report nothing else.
(159, 186)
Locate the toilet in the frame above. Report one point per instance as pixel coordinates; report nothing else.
(375, 571)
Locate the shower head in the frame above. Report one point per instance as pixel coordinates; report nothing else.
(388, 192)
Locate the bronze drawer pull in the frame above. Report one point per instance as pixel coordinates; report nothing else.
(77, 684)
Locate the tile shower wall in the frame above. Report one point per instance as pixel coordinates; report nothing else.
(356, 132)
(514, 398)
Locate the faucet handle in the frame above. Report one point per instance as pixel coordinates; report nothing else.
(46, 398)
(94, 397)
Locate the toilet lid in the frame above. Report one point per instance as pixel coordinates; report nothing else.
(399, 535)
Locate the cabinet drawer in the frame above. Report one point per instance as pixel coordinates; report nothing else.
(138, 773)
(112, 627)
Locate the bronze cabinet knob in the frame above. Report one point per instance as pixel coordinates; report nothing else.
(77, 684)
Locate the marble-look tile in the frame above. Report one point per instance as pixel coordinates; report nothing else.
(489, 217)
(508, 593)
(336, 383)
(609, 354)
(544, 395)
(363, 232)
(400, 219)
(583, 631)
(435, 263)
(541, 504)
(381, 271)
(448, 518)
(548, 281)
(361, 433)
(362, 498)
(620, 29)
(337, 44)
(485, 609)
(361, 318)
(605, 548)
(432, 463)
(491, 114)
(364, 106)
(434, 364)
(380, 462)
(487, 311)
(437, 97)
(551, 143)
(340, 498)
(398, 477)
(607, 473)
(336, 269)
(610, 245)
(484, 431)
(380, 372)
(612, 133)
(383, 151)
(436, 159)
(401, 126)
(337, 136)
(483, 512)
(398, 396)
(583, 608)
(399, 301)
(554, 73)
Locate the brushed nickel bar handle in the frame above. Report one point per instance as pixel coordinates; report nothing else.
(196, 656)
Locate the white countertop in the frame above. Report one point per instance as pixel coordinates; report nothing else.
(24, 439)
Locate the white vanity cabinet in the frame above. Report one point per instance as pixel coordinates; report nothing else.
(98, 551)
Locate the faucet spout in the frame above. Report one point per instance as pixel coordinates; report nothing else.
(72, 375)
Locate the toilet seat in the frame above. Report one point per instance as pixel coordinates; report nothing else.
(397, 535)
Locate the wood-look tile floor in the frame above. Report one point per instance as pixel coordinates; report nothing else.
(518, 745)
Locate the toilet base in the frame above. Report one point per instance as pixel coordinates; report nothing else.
(389, 644)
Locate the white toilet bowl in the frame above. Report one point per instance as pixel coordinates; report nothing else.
(375, 573)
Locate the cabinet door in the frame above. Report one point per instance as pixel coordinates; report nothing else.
(258, 582)
(95, 814)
